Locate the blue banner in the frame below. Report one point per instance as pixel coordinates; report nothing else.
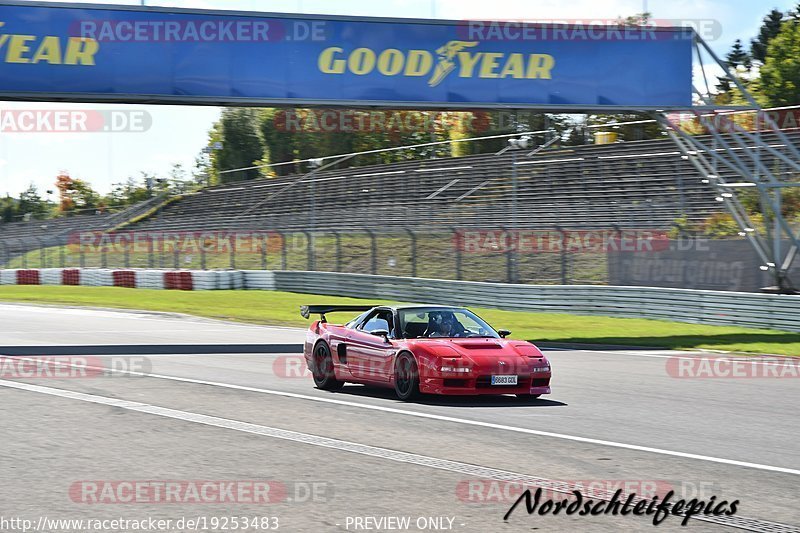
(159, 55)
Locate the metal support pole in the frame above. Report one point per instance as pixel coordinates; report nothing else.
(513, 252)
(283, 249)
(127, 251)
(264, 242)
(310, 262)
(459, 258)
(509, 255)
(150, 252)
(42, 253)
(338, 238)
(564, 259)
(412, 240)
(373, 251)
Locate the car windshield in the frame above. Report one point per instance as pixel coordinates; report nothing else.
(439, 322)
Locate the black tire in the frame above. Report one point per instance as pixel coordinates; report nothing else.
(528, 397)
(406, 377)
(322, 368)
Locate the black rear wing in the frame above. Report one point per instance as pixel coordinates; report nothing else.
(308, 310)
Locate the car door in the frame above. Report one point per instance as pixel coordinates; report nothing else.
(369, 357)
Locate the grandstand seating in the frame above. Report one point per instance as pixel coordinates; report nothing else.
(20, 237)
(636, 184)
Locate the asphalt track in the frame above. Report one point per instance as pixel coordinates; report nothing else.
(215, 401)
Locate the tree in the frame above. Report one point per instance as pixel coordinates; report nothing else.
(242, 146)
(8, 209)
(30, 203)
(737, 60)
(738, 56)
(768, 31)
(77, 195)
(780, 75)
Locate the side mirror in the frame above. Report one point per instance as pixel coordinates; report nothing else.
(381, 333)
(503, 333)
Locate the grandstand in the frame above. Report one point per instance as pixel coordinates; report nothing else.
(634, 185)
(19, 237)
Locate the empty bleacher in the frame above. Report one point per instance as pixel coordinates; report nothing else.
(636, 184)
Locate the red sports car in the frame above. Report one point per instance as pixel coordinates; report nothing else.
(422, 350)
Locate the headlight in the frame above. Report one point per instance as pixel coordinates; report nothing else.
(456, 369)
(540, 370)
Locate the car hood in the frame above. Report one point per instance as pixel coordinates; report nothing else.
(478, 351)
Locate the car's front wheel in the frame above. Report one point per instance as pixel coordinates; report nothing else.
(322, 368)
(406, 377)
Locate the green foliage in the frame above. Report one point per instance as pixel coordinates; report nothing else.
(31, 204)
(720, 225)
(780, 75)
(768, 31)
(242, 147)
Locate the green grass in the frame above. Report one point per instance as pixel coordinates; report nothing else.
(281, 308)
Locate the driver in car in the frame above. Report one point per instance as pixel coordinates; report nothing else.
(448, 326)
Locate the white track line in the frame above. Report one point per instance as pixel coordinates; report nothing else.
(388, 454)
(442, 418)
(752, 359)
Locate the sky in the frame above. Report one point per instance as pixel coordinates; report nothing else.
(177, 134)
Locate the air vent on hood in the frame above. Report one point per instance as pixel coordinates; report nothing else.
(476, 345)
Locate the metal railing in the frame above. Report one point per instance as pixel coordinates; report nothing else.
(778, 312)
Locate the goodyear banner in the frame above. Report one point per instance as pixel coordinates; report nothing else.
(91, 53)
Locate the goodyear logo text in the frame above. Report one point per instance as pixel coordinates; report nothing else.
(453, 56)
(31, 49)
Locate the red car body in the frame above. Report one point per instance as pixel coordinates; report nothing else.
(445, 366)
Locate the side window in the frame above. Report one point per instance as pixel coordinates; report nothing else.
(380, 320)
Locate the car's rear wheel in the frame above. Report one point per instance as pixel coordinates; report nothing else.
(528, 397)
(406, 377)
(322, 368)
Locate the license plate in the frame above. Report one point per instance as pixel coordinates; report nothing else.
(504, 380)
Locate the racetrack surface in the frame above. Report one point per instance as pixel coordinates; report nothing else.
(219, 404)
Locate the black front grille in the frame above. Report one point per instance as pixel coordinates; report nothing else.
(540, 382)
(455, 382)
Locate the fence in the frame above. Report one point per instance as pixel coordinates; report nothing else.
(477, 256)
(546, 257)
(702, 307)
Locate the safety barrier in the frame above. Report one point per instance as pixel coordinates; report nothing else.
(768, 311)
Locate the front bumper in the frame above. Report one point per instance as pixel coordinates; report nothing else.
(455, 385)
